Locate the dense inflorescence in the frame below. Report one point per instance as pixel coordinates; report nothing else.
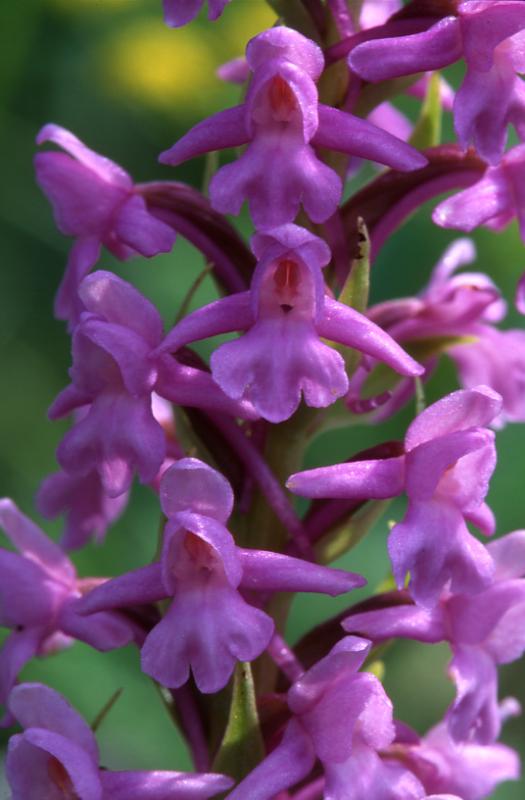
(208, 612)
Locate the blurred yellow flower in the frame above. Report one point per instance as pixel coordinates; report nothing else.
(75, 6)
(160, 67)
(248, 20)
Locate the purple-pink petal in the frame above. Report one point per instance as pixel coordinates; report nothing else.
(343, 324)
(287, 764)
(119, 302)
(191, 485)
(100, 165)
(37, 706)
(347, 133)
(381, 478)
(433, 543)
(381, 59)
(33, 544)
(267, 571)
(159, 785)
(224, 129)
(457, 411)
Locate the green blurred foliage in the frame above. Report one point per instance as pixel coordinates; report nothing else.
(110, 71)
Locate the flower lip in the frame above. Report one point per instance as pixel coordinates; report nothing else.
(59, 776)
(282, 99)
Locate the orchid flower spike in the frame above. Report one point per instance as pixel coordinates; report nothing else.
(282, 122)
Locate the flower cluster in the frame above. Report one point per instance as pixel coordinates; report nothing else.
(208, 613)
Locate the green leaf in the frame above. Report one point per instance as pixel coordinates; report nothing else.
(356, 290)
(423, 349)
(357, 285)
(342, 538)
(242, 745)
(427, 132)
(294, 14)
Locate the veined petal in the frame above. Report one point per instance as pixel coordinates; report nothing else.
(19, 648)
(125, 347)
(37, 706)
(138, 587)
(485, 25)
(474, 715)
(187, 386)
(32, 543)
(379, 479)
(102, 166)
(458, 411)
(508, 553)
(228, 314)
(28, 762)
(159, 785)
(267, 571)
(83, 203)
(401, 621)
(208, 631)
(117, 436)
(179, 12)
(104, 631)
(347, 133)
(246, 367)
(427, 463)
(140, 230)
(343, 324)
(288, 45)
(82, 257)
(381, 59)
(288, 763)
(275, 196)
(482, 108)
(119, 302)
(191, 485)
(488, 199)
(224, 129)
(27, 595)
(433, 543)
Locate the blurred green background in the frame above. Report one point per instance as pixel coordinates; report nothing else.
(129, 87)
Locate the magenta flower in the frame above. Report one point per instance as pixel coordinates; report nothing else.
(283, 122)
(94, 201)
(39, 588)
(489, 37)
(114, 374)
(343, 718)
(179, 12)
(209, 625)
(449, 458)
(286, 312)
(483, 630)
(57, 756)
(465, 305)
(377, 12)
(88, 508)
(470, 770)
(494, 201)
